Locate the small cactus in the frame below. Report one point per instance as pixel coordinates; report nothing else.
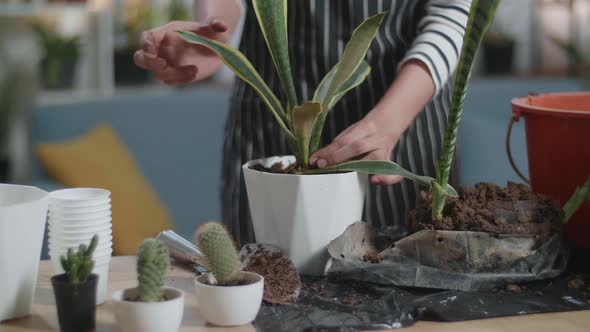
(222, 258)
(78, 265)
(152, 262)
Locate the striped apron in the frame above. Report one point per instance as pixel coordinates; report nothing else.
(318, 33)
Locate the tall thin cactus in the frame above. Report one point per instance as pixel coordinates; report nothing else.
(78, 265)
(481, 16)
(152, 262)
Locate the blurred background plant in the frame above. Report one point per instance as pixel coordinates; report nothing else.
(59, 57)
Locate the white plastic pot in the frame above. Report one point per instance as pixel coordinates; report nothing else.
(165, 316)
(301, 214)
(23, 212)
(230, 305)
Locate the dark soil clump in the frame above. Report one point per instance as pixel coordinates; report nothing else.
(314, 289)
(514, 210)
(281, 281)
(277, 168)
(372, 258)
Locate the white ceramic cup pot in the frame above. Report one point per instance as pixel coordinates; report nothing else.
(133, 316)
(301, 214)
(23, 212)
(230, 305)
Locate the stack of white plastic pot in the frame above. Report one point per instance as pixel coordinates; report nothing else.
(75, 216)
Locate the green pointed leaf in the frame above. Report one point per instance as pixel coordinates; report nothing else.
(304, 118)
(378, 167)
(481, 16)
(580, 196)
(355, 80)
(242, 67)
(272, 18)
(353, 56)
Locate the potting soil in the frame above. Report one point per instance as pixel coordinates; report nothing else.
(339, 304)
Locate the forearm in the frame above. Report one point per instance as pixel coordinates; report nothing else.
(406, 97)
(229, 11)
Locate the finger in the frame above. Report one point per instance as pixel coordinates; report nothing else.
(181, 82)
(348, 136)
(386, 180)
(171, 74)
(363, 146)
(218, 25)
(148, 61)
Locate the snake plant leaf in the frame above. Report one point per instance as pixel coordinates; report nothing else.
(481, 15)
(272, 18)
(242, 67)
(354, 54)
(355, 80)
(580, 196)
(378, 167)
(304, 118)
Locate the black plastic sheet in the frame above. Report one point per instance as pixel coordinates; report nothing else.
(348, 305)
(361, 296)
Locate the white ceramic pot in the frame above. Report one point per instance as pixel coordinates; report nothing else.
(301, 214)
(230, 305)
(23, 212)
(165, 316)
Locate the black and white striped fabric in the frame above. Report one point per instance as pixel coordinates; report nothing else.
(430, 31)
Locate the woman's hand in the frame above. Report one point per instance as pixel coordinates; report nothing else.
(375, 136)
(176, 62)
(369, 139)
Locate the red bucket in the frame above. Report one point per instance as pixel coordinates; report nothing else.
(558, 143)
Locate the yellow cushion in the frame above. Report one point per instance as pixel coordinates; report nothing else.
(99, 159)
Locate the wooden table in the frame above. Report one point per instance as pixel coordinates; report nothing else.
(122, 275)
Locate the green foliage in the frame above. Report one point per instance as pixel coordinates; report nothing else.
(580, 196)
(480, 17)
(178, 11)
(152, 262)
(222, 258)
(78, 265)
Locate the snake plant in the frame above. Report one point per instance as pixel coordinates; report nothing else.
(481, 16)
(580, 196)
(303, 122)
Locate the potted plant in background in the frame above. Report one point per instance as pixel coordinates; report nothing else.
(179, 11)
(150, 307)
(498, 51)
(137, 17)
(75, 290)
(289, 206)
(60, 58)
(228, 296)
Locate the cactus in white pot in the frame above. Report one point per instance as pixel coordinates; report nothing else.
(233, 296)
(150, 307)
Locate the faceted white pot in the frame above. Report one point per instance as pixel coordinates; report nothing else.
(301, 214)
(23, 213)
(164, 316)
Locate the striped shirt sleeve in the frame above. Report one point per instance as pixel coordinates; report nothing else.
(440, 38)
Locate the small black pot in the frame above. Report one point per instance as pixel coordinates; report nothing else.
(76, 303)
(126, 71)
(498, 57)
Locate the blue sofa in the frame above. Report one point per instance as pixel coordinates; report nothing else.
(176, 138)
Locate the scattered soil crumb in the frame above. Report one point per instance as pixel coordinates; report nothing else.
(513, 288)
(372, 258)
(350, 299)
(314, 289)
(576, 283)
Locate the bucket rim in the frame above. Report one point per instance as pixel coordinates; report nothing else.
(521, 106)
